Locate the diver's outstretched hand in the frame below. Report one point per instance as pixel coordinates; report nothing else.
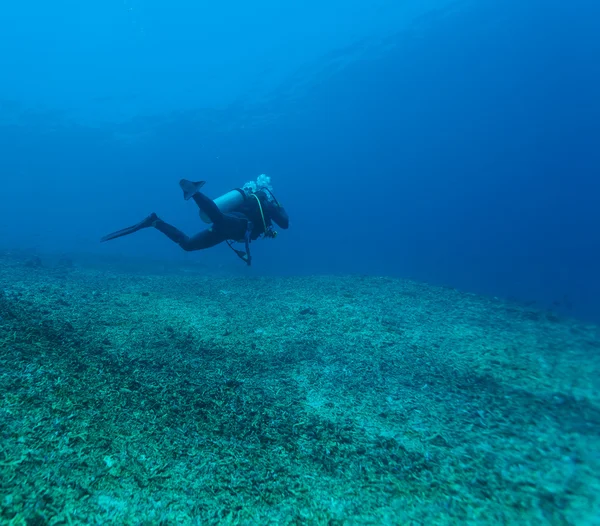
(190, 187)
(146, 223)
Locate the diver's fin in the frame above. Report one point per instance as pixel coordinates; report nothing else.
(190, 187)
(148, 222)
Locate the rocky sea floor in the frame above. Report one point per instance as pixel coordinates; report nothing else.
(180, 398)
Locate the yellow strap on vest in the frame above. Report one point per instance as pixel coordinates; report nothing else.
(261, 211)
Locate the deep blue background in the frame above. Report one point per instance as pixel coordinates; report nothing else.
(451, 142)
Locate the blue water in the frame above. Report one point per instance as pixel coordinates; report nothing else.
(456, 143)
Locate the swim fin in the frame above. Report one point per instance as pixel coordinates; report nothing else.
(190, 188)
(146, 223)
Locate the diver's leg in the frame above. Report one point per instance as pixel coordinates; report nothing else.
(205, 239)
(229, 227)
(192, 190)
(208, 206)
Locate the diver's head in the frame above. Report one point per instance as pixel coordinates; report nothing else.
(262, 195)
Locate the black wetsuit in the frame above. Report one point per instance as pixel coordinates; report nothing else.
(253, 218)
(232, 226)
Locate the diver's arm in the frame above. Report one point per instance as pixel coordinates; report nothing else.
(279, 215)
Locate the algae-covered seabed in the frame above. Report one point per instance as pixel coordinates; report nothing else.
(187, 399)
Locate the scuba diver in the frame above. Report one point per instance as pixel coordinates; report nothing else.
(242, 215)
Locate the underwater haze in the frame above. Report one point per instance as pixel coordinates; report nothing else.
(454, 142)
(419, 347)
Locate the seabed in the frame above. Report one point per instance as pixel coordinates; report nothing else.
(180, 398)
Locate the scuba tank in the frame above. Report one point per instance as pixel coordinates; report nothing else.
(227, 202)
